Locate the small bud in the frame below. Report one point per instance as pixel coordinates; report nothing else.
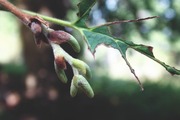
(36, 27)
(59, 37)
(60, 73)
(80, 82)
(82, 67)
(38, 35)
(60, 62)
(37, 30)
(73, 89)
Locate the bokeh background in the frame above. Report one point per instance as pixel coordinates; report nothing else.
(30, 89)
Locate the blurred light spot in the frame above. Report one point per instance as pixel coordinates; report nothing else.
(31, 86)
(31, 81)
(52, 94)
(10, 43)
(143, 13)
(97, 18)
(97, 14)
(167, 31)
(111, 4)
(45, 11)
(12, 99)
(164, 3)
(169, 14)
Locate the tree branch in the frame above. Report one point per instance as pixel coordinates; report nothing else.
(24, 17)
(31, 21)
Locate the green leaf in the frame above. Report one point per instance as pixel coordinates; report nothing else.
(96, 38)
(100, 35)
(148, 51)
(84, 7)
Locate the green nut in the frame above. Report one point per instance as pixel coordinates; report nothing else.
(74, 44)
(73, 89)
(82, 67)
(60, 73)
(80, 82)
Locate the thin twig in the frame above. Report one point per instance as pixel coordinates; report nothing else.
(126, 21)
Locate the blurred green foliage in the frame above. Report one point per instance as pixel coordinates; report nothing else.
(159, 101)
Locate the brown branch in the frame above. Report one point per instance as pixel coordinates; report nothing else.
(33, 22)
(25, 18)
